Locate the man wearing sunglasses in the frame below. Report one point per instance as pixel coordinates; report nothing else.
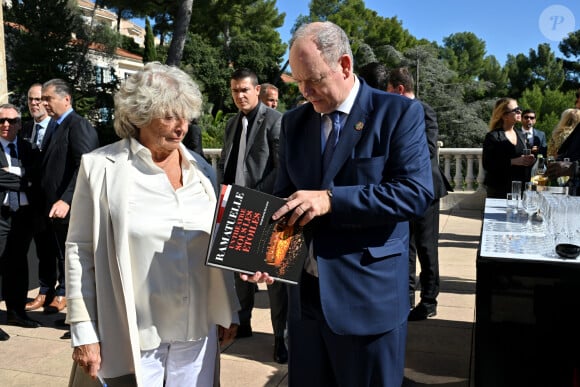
(17, 171)
(535, 139)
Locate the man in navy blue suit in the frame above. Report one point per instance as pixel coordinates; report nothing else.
(18, 192)
(348, 316)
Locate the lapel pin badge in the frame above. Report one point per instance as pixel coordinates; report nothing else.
(359, 125)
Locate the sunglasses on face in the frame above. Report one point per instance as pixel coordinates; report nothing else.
(517, 110)
(529, 117)
(11, 121)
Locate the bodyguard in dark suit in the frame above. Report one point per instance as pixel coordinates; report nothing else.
(33, 131)
(68, 137)
(17, 179)
(357, 188)
(535, 139)
(251, 161)
(424, 230)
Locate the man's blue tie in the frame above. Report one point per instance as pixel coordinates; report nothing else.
(331, 141)
(37, 141)
(13, 199)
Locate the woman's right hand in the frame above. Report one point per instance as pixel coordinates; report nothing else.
(524, 160)
(227, 335)
(88, 357)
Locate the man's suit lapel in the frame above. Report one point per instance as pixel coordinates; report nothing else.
(3, 160)
(24, 151)
(229, 140)
(350, 134)
(258, 121)
(3, 163)
(307, 153)
(50, 129)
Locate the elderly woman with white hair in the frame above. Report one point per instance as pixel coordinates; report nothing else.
(144, 310)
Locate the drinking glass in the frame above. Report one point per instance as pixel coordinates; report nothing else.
(516, 191)
(511, 202)
(530, 204)
(571, 228)
(574, 219)
(559, 212)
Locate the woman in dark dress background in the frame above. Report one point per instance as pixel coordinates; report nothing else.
(503, 150)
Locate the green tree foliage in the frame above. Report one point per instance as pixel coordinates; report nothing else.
(40, 46)
(177, 11)
(149, 53)
(122, 8)
(519, 73)
(457, 79)
(220, 21)
(460, 123)
(129, 44)
(372, 36)
(548, 105)
(547, 72)
(163, 27)
(464, 53)
(205, 62)
(570, 47)
(495, 77)
(241, 34)
(127, 9)
(39, 43)
(213, 128)
(539, 68)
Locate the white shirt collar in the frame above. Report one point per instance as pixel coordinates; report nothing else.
(5, 142)
(138, 148)
(346, 105)
(43, 123)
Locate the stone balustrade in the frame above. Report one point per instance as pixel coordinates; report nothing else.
(462, 166)
(213, 156)
(466, 166)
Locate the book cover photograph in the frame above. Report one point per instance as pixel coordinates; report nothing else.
(246, 239)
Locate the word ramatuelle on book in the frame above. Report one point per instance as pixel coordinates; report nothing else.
(246, 239)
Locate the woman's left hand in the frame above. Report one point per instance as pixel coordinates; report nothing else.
(88, 357)
(258, 277)
(227, 335)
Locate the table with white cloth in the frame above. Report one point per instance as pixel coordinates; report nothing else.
(527, 304)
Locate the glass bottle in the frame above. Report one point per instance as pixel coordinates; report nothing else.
(538, 171)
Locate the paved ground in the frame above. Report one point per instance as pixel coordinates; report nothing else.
(439, 350)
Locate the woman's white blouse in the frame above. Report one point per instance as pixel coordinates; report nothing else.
(168, 236)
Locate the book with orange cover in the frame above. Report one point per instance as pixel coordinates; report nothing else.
(246, 239)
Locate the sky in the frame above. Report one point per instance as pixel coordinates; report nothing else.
(506, 26)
